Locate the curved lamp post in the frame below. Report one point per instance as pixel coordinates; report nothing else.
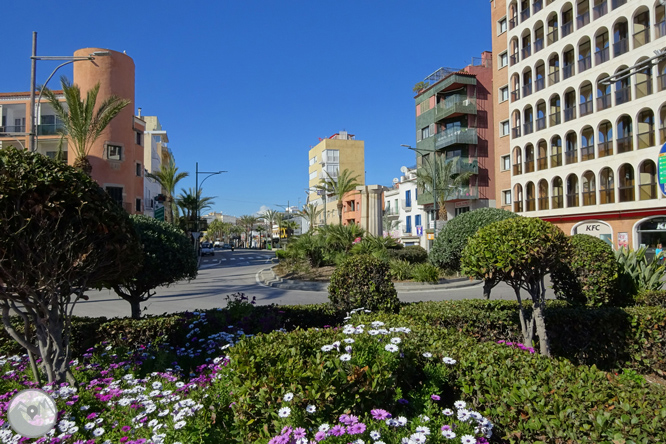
(434, 180)
(196, 196)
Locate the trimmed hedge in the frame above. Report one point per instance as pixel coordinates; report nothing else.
(414, 254)
(652, 298)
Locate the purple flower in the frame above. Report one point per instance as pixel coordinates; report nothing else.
(380, 414)
(299, 433)
(320, 436)
(435, 397)
(356, 429)
(446, 427)
(338, 430)
(403, 401)
(286, 430)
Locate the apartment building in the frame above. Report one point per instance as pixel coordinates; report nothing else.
(339, 152)
(585, 82)
(454, 120)
(155, 152)
(406, 218)
(117, 158)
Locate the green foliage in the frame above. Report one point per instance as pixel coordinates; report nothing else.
(341, 237)
(425, 273)
(414, 254)
(637, 273)
(401, 270)
(371, 244)
(589, 276)
(651, 298)
(281, 254)
(363, 281)
(452, 239)
(308, 246)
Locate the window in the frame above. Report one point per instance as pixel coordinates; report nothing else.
(416, 194)
(425, 132)
(114, 152)
(408, 223)
(139, 138)
(506, 163)
(461, 210)
(138, 170)
(116, 194)
(503, 59)
(504, 128)
(313, 175)
(138, 205)
(504, 94)
(417, 220)
(408, 198)
(506, 197)
(313, 160)
(501, 26)
(54, 154)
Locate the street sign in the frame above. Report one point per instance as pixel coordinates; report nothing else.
(159, 213)
(661, 162)
(419, 230)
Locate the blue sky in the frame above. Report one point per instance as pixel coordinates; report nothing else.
(249, 86)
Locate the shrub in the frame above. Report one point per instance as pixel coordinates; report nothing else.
(589, 276)
(281, 254)
(414, 254)
(451, 240)
(363, 281)
(425, 273)
(651, 298)
(400, 270)
(637, 273)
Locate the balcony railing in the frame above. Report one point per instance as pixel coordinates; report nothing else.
(518, 206)
(391, 212)
(540, 83)
(556, 160)
(646, 139)
(601, 56)
(627, 193)
(661, 82)
(618, 3)
(568, 71)
(527, 51)
(12, 129)
(514, 58)
(528, 128)
(464, 165)
(406, 204)
(552, 37)
(573, 199)
(600, 10)
(623, 95)
(515, 132)
(567, 28)
(540, 123)
(647, 191)
(583, 19)
(455, 105)
(584, 63)
(662, 136)
(527, 89)
(553, 77)
(644, 88)
(620, 47)
(605, 149)
(586, 108)
(515, 95)
(513, 22)
(586, 153)
(555, 119)
(538, 44)
(604, 102)
(625, 144)
(451, 137)
(517, 169)
(571, 156)
(50, 129)
(660, 29)
(464, 192)
(525, 14)
(569, 113)
(558, 202)
(606, 196)
(529, 166)
(537, 6)
(530, 204)
(589, 198)
(542, 163)
(641, 37)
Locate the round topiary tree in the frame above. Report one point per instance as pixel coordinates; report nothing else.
(521, 252)
(60, 235)
(363, 281)
(589, 276)
(168, 257)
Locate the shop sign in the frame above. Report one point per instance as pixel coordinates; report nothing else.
(431, 236)
(595, 228)
(661, 162)
(463, 203)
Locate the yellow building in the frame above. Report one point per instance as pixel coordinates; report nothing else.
(335, 154)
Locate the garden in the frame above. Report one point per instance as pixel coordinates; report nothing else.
(363, 368)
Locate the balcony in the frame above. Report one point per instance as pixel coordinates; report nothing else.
(553, 77)
(647, 191)
(589, 198)
(660, 29)
(605, 149)
(464, 193)
(620, 47)
(540, 123)
(527, 89)
(622, 95)
(406, 204)
(527, 51)
(10, 129)
(552, 37)
(568, 71)
(515, 132)
(518, 206)
(627, 193)
(524, 14)
(555, 119)
(542, 163)
(538, 44)
(455, 105)
(540, 83)
(529, 166)
(586, 153)
(567, 28)
(569, 113)
(641, 37)
(528, 128)
(604, 102)
(514, 58)
(515, 95)
(458, 136)
(464, 165)
(606, 196)
(573, 199)
(571, 156)
(50, 129)
(558, 202)
(625, 144)
(600, 10)
(617, 3)
(645, 140)
(556, 160)
(583, 19)
(391, 212)
(530, 204)
(586, 108)
(537, 6)
(513, 22)
(661, 82)
(517, 169)
(584, 63)
(644, 88)
(406, 230)
(601, 56)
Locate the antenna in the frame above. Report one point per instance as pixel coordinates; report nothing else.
(395, 179)
(403, 169)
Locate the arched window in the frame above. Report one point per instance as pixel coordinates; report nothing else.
(527, 82)
(515, 87)
(661, 75)
(569, 105)
(528, 119)
(603, 93)
(572, 191)
(524, 10)
(600, 8)
(622, 88)
(660, 22)
(648, 180)
(620, 37)
(584, 55)
(542, 155)
(644, 81)
(568, 62)
(567, 20)
(540, 70)
(645, 128)
(605, 137)
(538, 36)
(589, 189)
(541, 115)
(585, 99)
(529, 158)
(515, 131)
(555, 116)
(543, 194)
(626, 183)
(606, 186)
(553, 69)
(552, 29)
(555, 152)
(513, 13)
(601, 45)
(662, 124)
(518, 198)
(571, 148)
(526, 44)
(583, 11)
(587, 144)
(641, 28)
(530, 201)
(517, 161)
(558, 193)
(625, 136)
(515, 53)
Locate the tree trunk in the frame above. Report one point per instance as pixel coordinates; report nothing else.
(340, 211)
(83, 164)
(488, 285)
(136, 309)
(526, 325)
(539, 315)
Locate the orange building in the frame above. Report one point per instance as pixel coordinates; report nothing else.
(117, 155)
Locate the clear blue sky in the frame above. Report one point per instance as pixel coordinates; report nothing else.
(249, 86)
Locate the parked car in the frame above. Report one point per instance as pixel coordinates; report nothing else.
(226, 247)
(207, 248)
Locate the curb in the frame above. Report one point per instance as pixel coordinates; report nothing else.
(268, 278)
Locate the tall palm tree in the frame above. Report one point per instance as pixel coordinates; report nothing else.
(338, 187)
(193, 204)
(310, 212)
(81, 121)
(248, 222)
(447, 179)
(168, 176)
(269, 218)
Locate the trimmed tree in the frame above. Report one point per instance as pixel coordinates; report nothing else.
(521, 252)
(60, 235)
(167, 259)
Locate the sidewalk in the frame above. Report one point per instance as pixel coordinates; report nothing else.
(268, 278)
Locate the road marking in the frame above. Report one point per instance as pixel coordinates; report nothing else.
(232, 259)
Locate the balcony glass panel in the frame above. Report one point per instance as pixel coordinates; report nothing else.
(517, 169)
(586, 108)
(643, 88)
(50, 129)
(517, 207)
(622, 95)
(555, 119)
(513, 22)
(543, 203)
(514, 59)
(524, 14)
(537, 6)
(558, 202)
(552, 37)
(515, 132)
(661, 29)
(601, 56)
(625, 144)
(573, 200)
(600, 10)
(582, 19)
(605, 149)
(641, 37)
(567, 71)
(542, 163)
(627, 194)
(646, 139)
(618, 3)
(515, 95)
(540, 83)
(556, 160)
(530, 204)
(527, 51)
(606, 197)
(567, 28)
(569, 113)
(661, 82)
(620, 47)
(527, 90)
(540, 123)
(586, 153)
(12, 129)
(589, 198)
(647, 191)
(538, 45)
(529, 166)
(528, 128)
(604, 102)
(465, 136)
(584, 64)
(571, 156)
(553, 77)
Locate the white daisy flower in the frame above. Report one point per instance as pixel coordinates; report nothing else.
(448, 434)
(375, 435)
(310, 409)
(391, 348)
(288, 397)
(427, 355)
(460, 404)
(467, 439)
(396, 340)
(324, 427)
(346, 357)
(284, 412)
(98, 431)
(448, 360)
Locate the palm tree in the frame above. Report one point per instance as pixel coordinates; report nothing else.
(168, 176)
(310, 212)
(339, 187)
(447, 179)
(261, 230)
(82, 123)
(248, 222)
(269, 218)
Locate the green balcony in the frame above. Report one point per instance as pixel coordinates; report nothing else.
(464, 165)
(424, 198)
(464, 193)
(51, 129)
(452, 82)
(454, 106)
(466, 136)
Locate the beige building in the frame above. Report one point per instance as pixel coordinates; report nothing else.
(155, 151)
(339, 152)
(586, 94)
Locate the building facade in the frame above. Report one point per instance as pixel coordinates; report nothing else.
(339, 152)
(586, 86)
(406, 219)
(155, 151)
(454, 115)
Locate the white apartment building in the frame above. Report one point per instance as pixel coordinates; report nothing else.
(400, 204)
(586, 116)
(154, 149)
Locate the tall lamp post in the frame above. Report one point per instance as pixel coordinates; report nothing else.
(197, 233)
(434, 181)
(33, 75)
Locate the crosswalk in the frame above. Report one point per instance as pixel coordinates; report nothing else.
(244, 258)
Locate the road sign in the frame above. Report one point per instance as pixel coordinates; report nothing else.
(159, 213)
(661, 162)
(419, 230)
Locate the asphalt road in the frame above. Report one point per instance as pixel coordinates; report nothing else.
(233, 272)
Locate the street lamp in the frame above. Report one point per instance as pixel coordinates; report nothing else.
(434, 181)
(33, 74)
(196, 197)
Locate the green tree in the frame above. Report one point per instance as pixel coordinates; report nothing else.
(168, 177)
(269, 217)
(81, 121)
(218, 230)
(167, 258)
(338, 187)
(192, 204)
(60, 235)
(521, 252)
(311, 212)
(448, 180)
(248, 222)
(341, 237)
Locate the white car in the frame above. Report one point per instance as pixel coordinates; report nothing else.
(207, 248)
